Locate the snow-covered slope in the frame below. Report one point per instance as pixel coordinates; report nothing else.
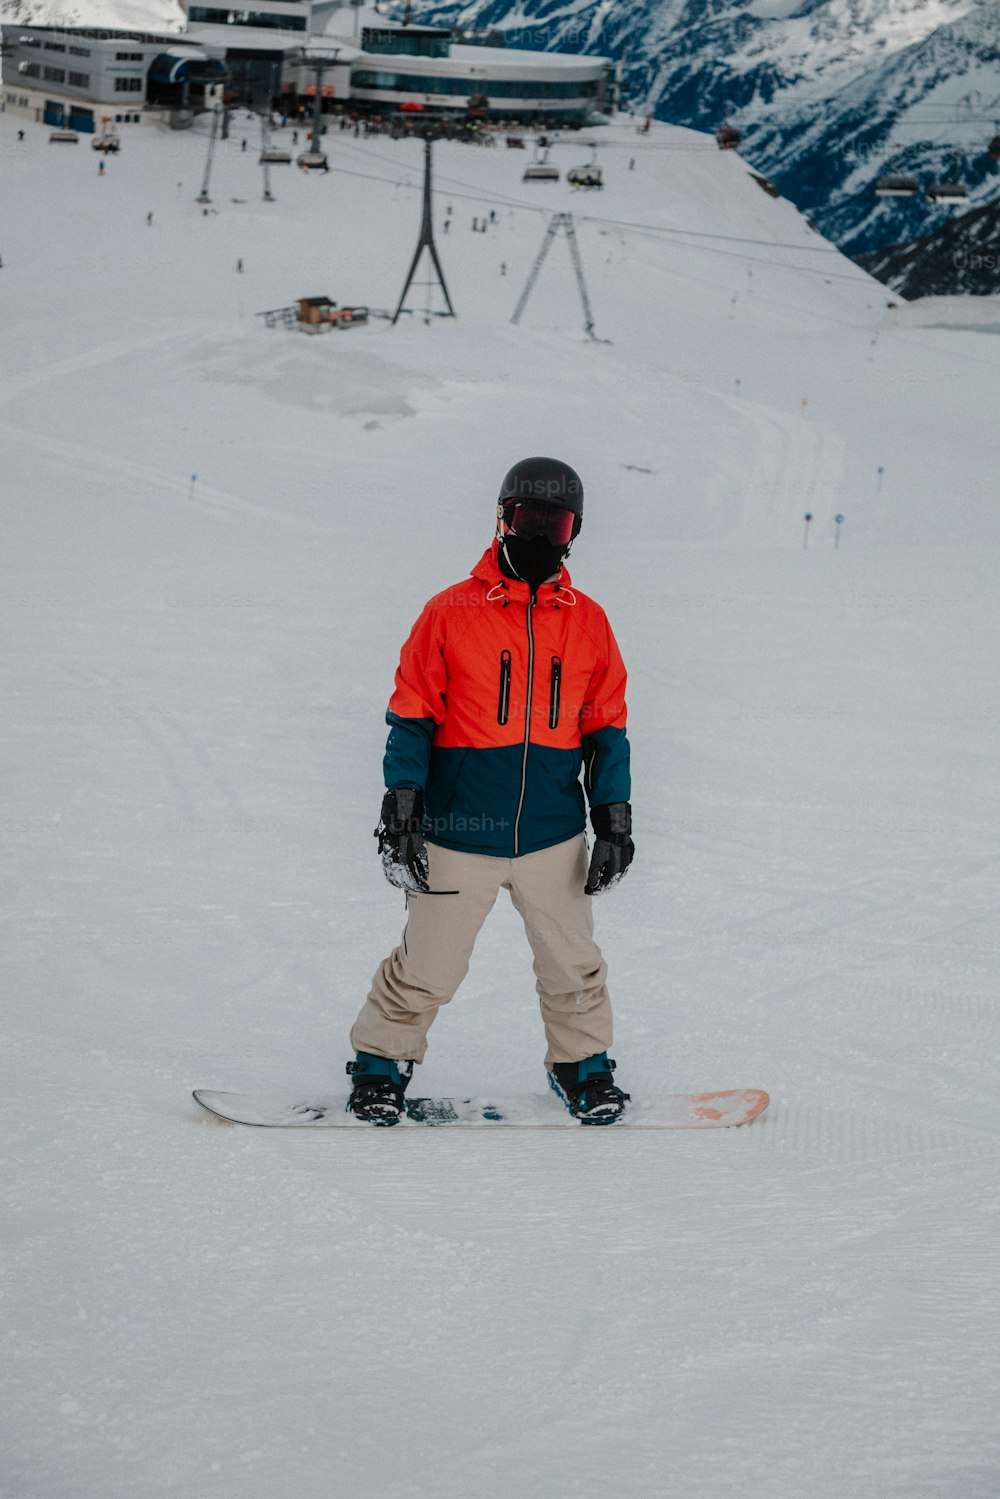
(215, 538)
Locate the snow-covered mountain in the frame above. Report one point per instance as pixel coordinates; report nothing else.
(827, 93)
(123, 15)
(960, 258)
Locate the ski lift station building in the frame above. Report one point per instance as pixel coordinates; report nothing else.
(381, 67)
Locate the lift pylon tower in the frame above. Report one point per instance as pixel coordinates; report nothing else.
(314, 157)
(203, 195)
(265, 159)
(559, 221)
(426, 241)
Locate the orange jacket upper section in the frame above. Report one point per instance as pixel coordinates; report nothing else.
(472, 664)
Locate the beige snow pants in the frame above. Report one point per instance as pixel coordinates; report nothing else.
(432, 959)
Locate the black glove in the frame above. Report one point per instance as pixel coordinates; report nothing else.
(613, 847)
(401, 839)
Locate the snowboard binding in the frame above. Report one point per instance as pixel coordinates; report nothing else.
(378, 1086)
(588, 1089)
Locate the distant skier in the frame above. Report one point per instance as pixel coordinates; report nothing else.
(149, 220)
(509, 682)
(239, 266)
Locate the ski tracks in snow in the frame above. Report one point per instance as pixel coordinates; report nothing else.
(784, 467)
(832, 1136)
(149, 482)
(100, 463)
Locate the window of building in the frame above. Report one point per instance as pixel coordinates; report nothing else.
(80, 51)
(267, 20)
(54, 46)
(402, 43)
(128, 85)
(128, 57)
(79, 80)
(494, 88)
(30, 69)
(54, 75)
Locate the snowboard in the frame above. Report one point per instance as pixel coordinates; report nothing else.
(529, 1111)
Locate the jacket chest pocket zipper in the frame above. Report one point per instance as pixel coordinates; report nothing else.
(503, 705)
(554, 685)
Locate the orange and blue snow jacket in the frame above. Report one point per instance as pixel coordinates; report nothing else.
(499, 703)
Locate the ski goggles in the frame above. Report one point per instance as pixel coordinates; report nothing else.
(530, 518)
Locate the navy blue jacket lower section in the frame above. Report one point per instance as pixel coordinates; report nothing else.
(499, 801)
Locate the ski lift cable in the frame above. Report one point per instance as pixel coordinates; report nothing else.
(655, 234)
(665, 231)
(704, 234)
(505, 200)
(836, 321)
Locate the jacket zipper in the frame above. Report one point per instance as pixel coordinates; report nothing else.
(588, 777)
(527, 727)
(503, 706)
(554, 692)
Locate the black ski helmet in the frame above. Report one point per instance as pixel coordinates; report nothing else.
(546, 480)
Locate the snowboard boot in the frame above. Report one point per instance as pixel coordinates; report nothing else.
(588, 1089)
(378, 1087)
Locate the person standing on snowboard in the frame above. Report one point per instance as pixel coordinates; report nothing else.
(509, 685)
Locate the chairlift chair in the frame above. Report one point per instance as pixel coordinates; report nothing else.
(313, 161)
(953, 189)
(541, 169)
(586, 176)
(276, 156)
(108, 141)
(947, 192)
(897, 186)
(64, 137)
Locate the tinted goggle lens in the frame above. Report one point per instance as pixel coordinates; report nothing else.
(528, 519)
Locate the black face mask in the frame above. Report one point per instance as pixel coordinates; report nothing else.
(532, 561)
